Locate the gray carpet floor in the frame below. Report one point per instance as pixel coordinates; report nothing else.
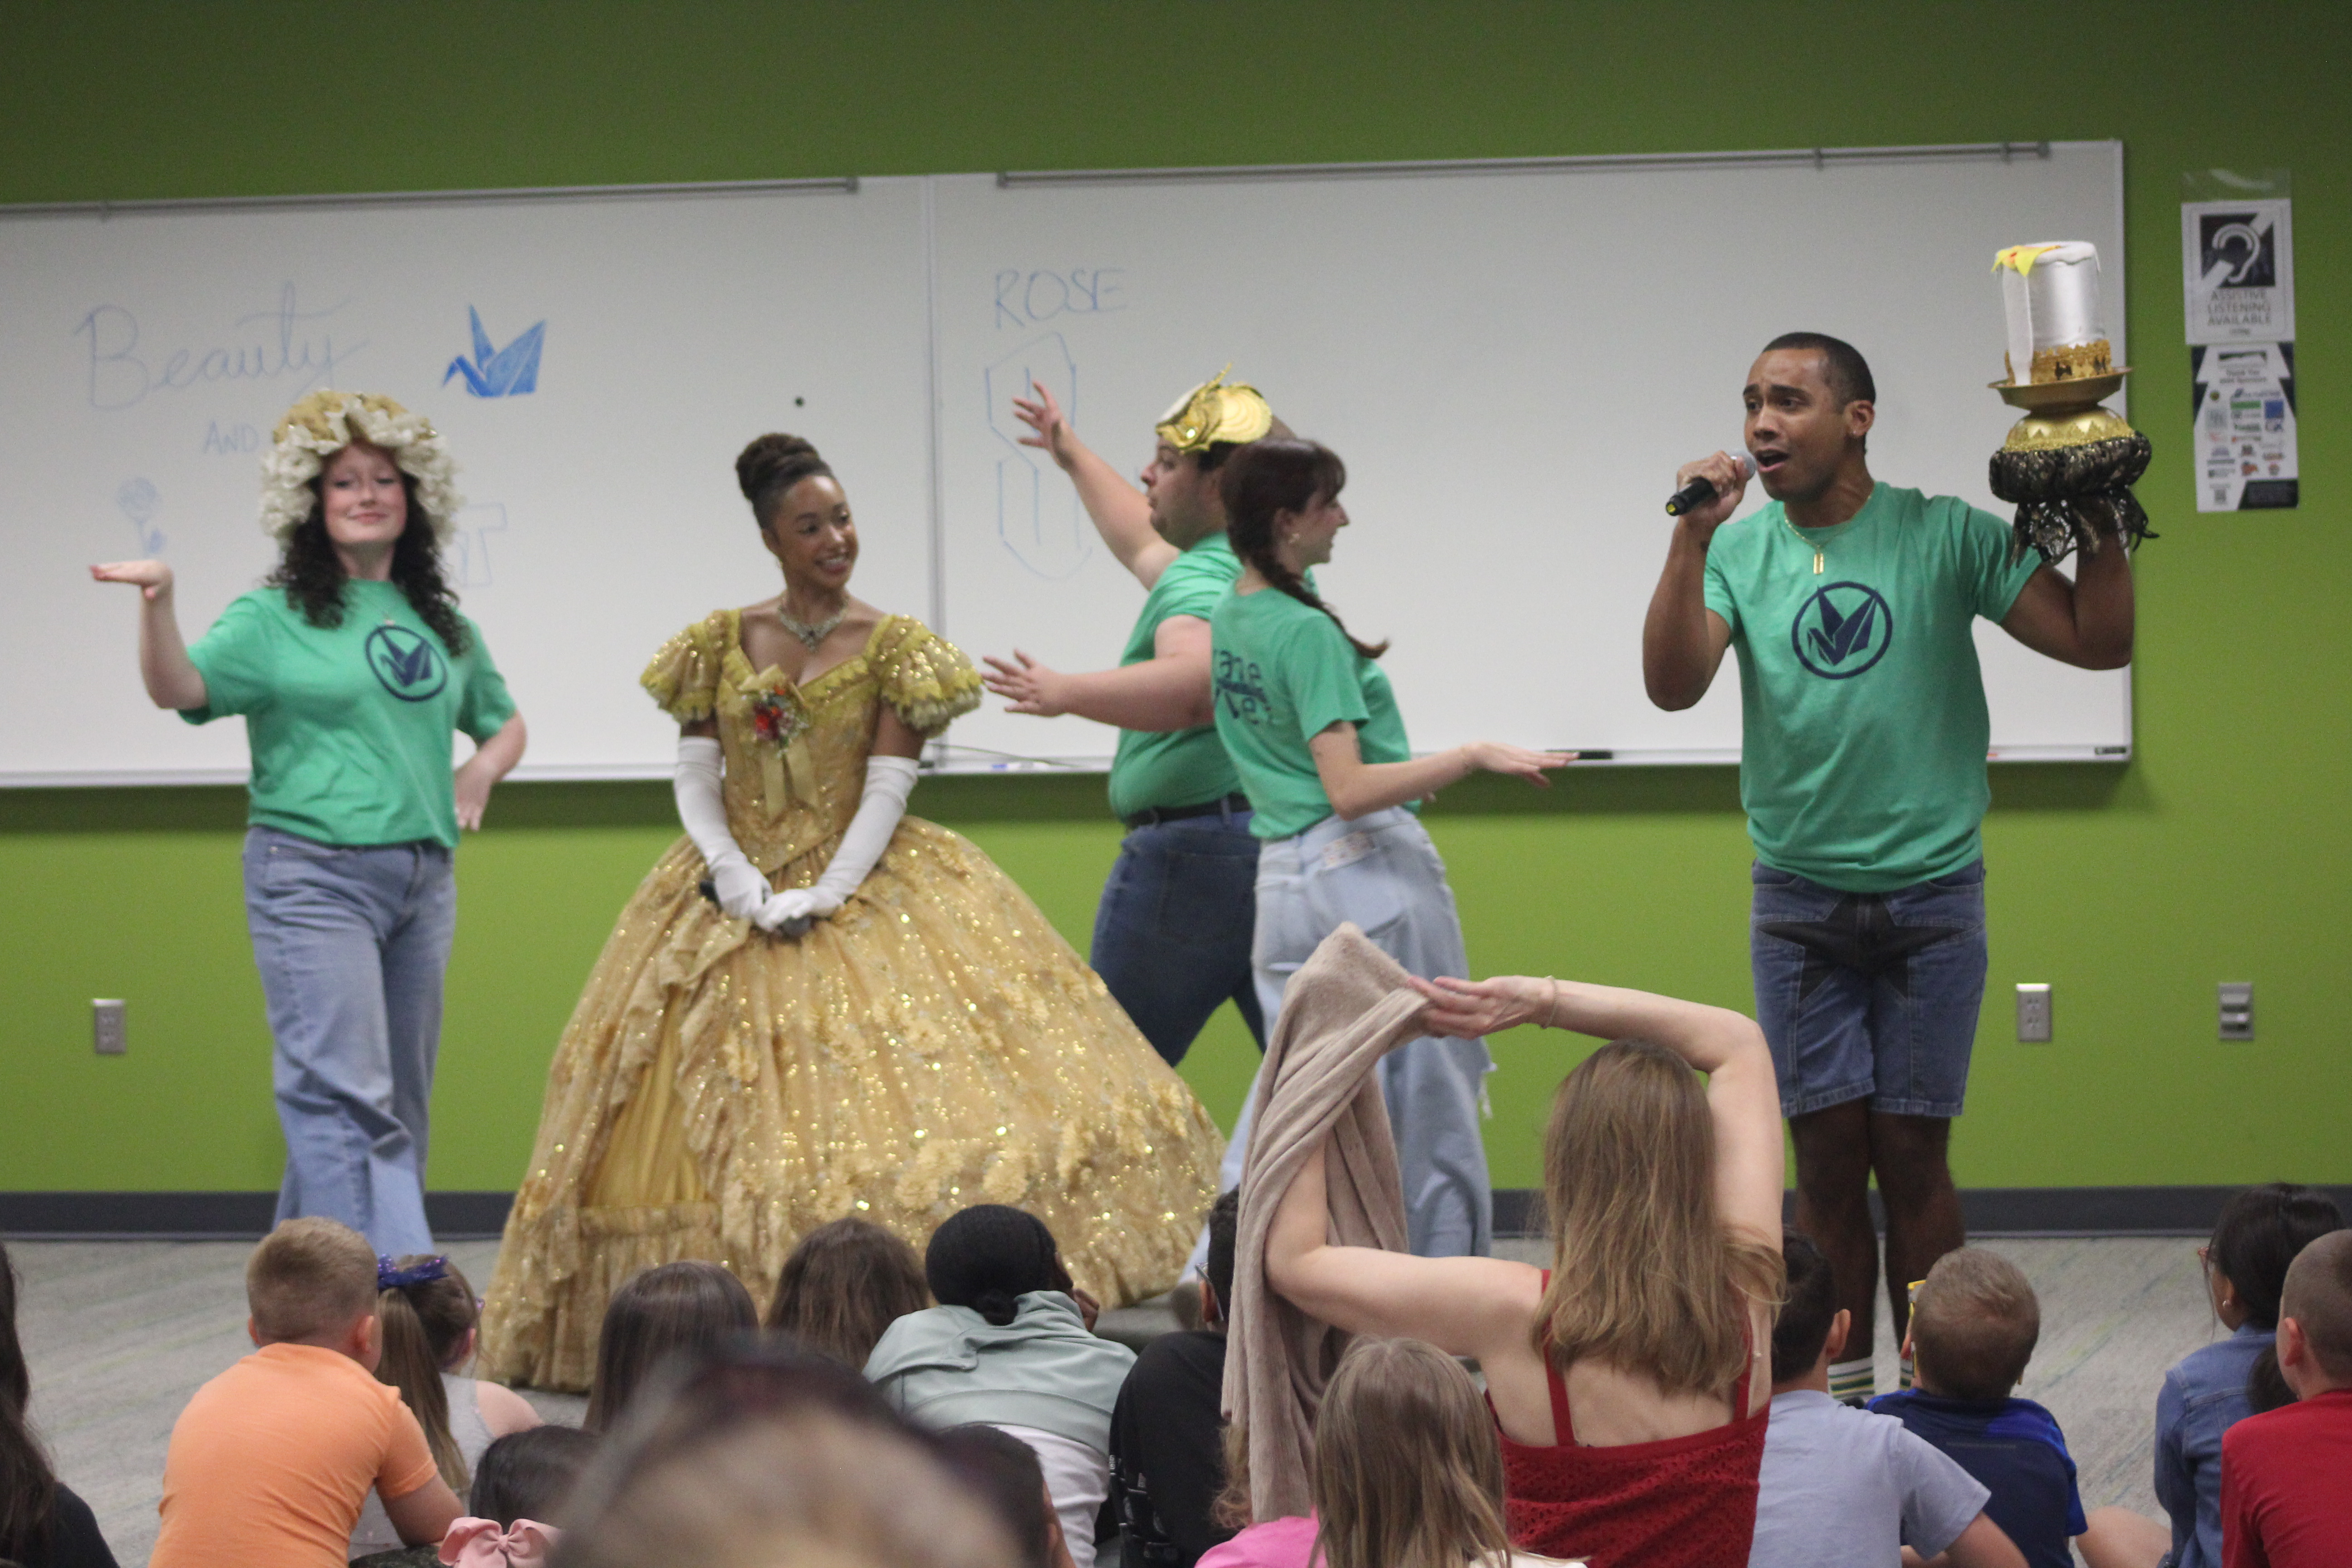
(120, 1333)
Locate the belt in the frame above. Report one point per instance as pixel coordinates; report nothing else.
(1160, 814)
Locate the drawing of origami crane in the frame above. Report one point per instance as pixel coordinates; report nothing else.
(509, 372)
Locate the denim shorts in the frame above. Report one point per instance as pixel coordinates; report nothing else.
(1869, 995)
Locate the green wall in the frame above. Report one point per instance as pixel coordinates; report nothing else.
(2220, 852)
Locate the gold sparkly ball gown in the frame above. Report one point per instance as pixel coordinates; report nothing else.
(721, 1091)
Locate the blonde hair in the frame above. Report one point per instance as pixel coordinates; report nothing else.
(1407, 1470)
(811, 1487)
(1974, 1325)
(308, 1276)
(1645, 1278)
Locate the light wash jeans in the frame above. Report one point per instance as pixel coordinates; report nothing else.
(352, 944)
(1382, 872)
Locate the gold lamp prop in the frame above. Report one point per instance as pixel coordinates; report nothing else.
(2069, 465)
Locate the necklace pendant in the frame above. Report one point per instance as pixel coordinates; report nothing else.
(1817, 562)
(809, 635)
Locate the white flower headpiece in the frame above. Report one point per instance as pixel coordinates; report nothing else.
(324, 424)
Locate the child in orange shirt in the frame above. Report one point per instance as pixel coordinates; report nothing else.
(271, 1461)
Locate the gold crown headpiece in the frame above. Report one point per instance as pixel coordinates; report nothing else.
(1215, 411)
(324, 424)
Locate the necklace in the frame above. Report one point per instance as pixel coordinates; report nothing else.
(1810, 544)
(809, 635)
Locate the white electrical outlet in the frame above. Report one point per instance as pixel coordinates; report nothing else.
(2033, 1022)
(109, 1033)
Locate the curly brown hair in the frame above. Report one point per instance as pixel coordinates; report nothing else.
(312, 575)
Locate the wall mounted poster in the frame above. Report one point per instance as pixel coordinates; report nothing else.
(2237, 265)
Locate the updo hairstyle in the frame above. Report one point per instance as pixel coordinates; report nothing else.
(988, 1257)
(770, 466)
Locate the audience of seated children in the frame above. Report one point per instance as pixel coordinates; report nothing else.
(42, 1524)
(2213, 1389)
(677, 1309)
(2286, 1474)
(759, 1456)
(1408, 1473)
(842, 1285)
(1011, 1343)
(1167, 1432)
(270, 1461)
(1004, 1470)
(521, 1483)
(1630, 1381)
(1973, 1328)
(429, 1316)
(1840, 1485)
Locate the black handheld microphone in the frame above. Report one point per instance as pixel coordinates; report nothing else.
(1701, 490)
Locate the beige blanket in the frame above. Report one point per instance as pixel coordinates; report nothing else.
(1347, 1007)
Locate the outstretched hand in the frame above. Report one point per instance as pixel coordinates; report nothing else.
(1496, 757)
(1466, 1009)
(1026, 686)
(152, 578)
(1044, 416)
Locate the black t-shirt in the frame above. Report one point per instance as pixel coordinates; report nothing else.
(74, 1540)
(1167, 1449)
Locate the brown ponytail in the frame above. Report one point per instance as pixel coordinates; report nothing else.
(1267, 478)
(423, 1324)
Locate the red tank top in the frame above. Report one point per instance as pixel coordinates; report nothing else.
(1681, 1503)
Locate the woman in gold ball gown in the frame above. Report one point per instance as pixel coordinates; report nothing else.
(815, 1037)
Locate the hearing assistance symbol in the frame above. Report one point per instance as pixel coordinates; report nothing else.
(509, 372)
(407, 663)
(1843, 630)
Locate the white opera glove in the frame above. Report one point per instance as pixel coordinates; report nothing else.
(702, 807)
(888, 782)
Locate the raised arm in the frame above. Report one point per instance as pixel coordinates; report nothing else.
(1358, 788)
(1742, 1094)
(1682, 639)
(171, 677)
(2086, 622)
(1170, 691)
(1120, 513)
(1464, 1306)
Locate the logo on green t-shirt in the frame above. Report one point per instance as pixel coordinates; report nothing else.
(1241, 688)
(1843, 630)
(407, 663)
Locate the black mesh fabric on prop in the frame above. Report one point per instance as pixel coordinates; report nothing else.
(2074, 496)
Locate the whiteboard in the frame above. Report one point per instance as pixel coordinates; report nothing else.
(1512, 362)
(148, 356)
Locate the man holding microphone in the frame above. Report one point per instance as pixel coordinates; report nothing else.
(1864, 731)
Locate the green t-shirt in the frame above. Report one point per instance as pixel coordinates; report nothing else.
(1863, 710)
(349, 725)
(1167, 769)
(1281, 673)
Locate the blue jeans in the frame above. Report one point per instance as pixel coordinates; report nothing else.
(1870, 994)
(351, 943)
(1172, 931)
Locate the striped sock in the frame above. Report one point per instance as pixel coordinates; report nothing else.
(1853, 1382)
